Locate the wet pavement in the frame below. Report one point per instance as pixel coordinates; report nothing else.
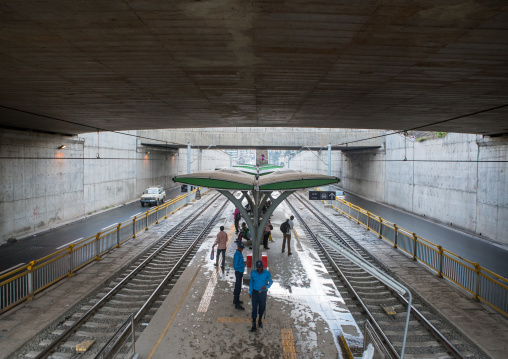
(303, 304)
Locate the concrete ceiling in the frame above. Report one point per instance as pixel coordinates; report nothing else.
(77, 66)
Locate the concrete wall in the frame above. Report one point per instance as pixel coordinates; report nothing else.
(42, 186)
(202, 160)
(441, 179)
(261, 136)
(460, 179)
(39, 184)
(316, 162)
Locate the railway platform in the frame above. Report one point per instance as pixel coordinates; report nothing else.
(306, 316)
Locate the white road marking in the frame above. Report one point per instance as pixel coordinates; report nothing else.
(11, 268)
(65, 245)
(111, 225)
(135, 215)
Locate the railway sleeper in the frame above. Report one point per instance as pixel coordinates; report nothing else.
(127, 302)
(110, 317)
(143, 276)
(108, 309)
(92, 325)
(359, 285)
(399, 326)
(386, 302)
(157, 268)
(137, 289)
(140, 293)
(68, 345)
(380, 290)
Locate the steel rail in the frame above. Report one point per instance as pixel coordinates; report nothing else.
(432, 329)
(378, 329)
(67, 333)
(163, 283)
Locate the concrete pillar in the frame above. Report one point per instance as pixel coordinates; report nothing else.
(330, 165)
(188, 169)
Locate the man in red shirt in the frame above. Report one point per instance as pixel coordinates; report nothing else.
(221, 243)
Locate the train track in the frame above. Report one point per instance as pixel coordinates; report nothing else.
(429, 335)
(139, 290)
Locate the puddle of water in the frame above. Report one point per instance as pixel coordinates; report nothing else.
(315, 296)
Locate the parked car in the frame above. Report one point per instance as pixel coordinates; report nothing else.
(340, 195)
(153, 195)
(184, 188)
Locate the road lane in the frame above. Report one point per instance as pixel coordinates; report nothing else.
(45, 243)
(466, 245)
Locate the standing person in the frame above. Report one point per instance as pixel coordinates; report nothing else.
(266, 234)
(239, 265)
(221, 241)
(237, 215)
(260, 281)
(287, 235)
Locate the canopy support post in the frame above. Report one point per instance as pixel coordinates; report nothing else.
(255, 226)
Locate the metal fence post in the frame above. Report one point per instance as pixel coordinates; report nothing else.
(368, 220)
(133, 335)
(380, 227)
(440, 268)
(118, 235)
(97, 247)
(30, 280)
(157, 215)
(414, 246)
(166, 212)
(477, 270)
(146, 220)
(134, 227)
(357, 216)
(395, 237)
(71, 261)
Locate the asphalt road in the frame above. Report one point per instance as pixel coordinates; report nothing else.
(40, 245)
(466, 245)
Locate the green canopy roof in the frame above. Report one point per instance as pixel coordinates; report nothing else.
(233, 179)
(255, 170)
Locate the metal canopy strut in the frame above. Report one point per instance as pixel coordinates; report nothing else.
(257, 223)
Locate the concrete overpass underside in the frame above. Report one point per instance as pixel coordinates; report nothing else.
(82, 66)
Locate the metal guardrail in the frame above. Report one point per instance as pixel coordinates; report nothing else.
(24, 282)
(483, 284)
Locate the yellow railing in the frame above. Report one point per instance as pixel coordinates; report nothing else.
(26, 281)
(480, 282)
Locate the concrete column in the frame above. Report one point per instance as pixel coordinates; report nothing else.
(188, 169)
(330, 165)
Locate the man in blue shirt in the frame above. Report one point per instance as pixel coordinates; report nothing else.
(239, 265)
(260, 281)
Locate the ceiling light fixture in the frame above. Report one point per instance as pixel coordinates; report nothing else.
(61, 147)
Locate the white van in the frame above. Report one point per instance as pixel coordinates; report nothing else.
(153, 195)
(340, 195)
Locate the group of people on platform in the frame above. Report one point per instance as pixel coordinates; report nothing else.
(261, 279)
